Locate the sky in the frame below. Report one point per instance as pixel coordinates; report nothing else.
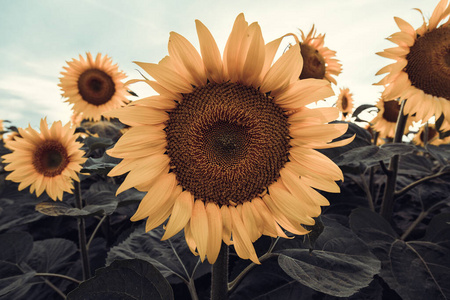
(38, 37)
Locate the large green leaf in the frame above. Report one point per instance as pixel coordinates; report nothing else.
(170, 257)
(340, 266)
(414, 269)
(127, 279)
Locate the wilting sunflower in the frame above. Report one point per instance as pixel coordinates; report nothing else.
(45, 161)
(217, 150)
(386, 119)
(345, 101)
(93, 86)
(432, 136)
(422, 71)
(318, 61)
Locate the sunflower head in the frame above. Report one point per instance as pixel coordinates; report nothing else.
(386, 119)
(227, 147)
(421, 72)
(318, 61)
(429, 135)
(345, 101)
(46, 161)
(93, 86)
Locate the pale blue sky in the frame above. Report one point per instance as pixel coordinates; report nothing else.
(37, 37)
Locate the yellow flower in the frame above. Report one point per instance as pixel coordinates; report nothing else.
(45, 161)
(421, 72)
(386, 119)
(93, 86)
(432, 136)
(217, 151)
(345, 101)
(318, 61)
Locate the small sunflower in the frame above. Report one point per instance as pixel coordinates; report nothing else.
(217, 150)
(345, 101)
(46, 161)
(318, 61)
(93, 86)
(386, 119)
(421, 72)
(432, 136)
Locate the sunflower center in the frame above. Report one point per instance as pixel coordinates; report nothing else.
(344, 103)
(227, 142)
(50, 158)
(431, 134)
(428, 65)
(391, 110)
(313, 63)
(96, 87)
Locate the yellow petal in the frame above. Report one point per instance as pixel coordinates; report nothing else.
(210, 53)
(199, 228)
(214, 231)
(181, 214)
(242, 243)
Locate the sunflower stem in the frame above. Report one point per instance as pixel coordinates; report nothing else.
(82, 234)
(387, 205)
(219, 277)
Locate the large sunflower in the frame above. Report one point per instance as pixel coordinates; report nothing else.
(345, 101)
(217, 150)
(421, 72)
(45, 161)
(93, 86)
(318, 61)
(386, 119)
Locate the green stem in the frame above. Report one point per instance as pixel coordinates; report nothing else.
(219, 277)
(82, 234)
(58, 275)
(387, 205)
(55, 288)
(95, 231)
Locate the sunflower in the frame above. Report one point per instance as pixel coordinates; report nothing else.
(45, 161)
(318, 61)
(93, 86)
(345, 101)
(217, 151)
(432, 136)
(421, 72)
(386, 119)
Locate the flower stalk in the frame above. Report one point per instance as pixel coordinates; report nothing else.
(387, 206)
(82, 234)
(219, 277)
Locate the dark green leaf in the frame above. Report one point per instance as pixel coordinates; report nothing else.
(362, 108)
(102, 203)
(422, 269)
(438, 230)
(18, 208)
(372, 155)
(127, 279)
(15, 246)
(170, 256)
(313, 235)
(440, 153)
(92, 143)
(12, 277)
(340, 265)
(100, 165)
(51, 254)
(415, 165)
(331, 273)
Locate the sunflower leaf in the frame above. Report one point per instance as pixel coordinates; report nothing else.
(340, 265)
(143, 281)
(414, 269)
(100, 165)
(15, 246)
(92, 143)
(12, 277)
(362, 108)
(372, 155)
(171, 257)
(99, 204)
